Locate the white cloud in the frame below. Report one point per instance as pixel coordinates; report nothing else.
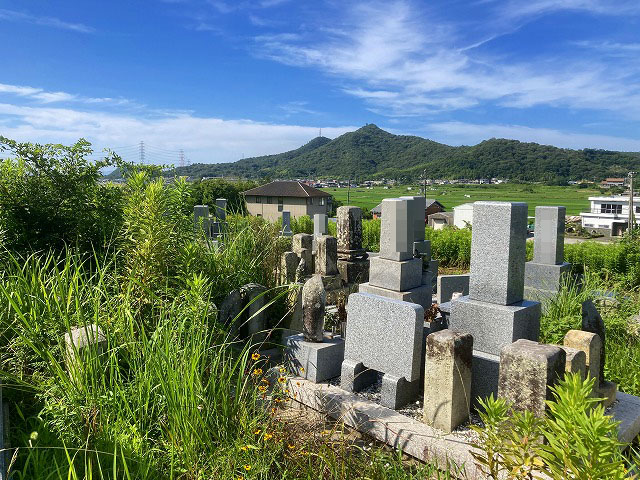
(405, 61)
(42, 96)
(22, 17)
(203, 139)
(461, 133)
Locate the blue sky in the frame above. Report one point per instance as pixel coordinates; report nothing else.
(223, 79)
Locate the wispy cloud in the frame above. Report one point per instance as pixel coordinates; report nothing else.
(204, 139)
(22, 17)
(459, 133)
(410, 62)
(42, 96)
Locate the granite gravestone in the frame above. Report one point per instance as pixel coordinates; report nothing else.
(383, 335)
(396, 273)
(494, 312)
(286, 224)
(353, 264)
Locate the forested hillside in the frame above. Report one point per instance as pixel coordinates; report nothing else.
(374, 153)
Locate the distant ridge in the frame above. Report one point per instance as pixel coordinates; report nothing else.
(371, 152)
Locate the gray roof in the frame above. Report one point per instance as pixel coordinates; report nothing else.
(427, 203)
(286, 189)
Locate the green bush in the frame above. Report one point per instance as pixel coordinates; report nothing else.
(580, 441)
(50, 197)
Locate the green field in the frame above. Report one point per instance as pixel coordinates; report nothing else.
(575, 199)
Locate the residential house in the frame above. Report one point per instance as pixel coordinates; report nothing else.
(463, 215)
(612, 182)
(270, 200)
(610, 215)
(439, 220)
(431, 206)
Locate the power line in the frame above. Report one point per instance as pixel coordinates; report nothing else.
(142, 152)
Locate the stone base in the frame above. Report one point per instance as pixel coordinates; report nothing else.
(399, 276)
(420, 295)
(485, 374)
(354, 271)
(495, 326)
(545, 277)
(607, 391)
(539, 295)
(395, 393)
(315, 361)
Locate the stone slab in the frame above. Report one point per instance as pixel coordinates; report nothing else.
(396, 230)
(498, 252)
(315, 361)
(420, 295)
(385, 335)
(397, 392)
(495, 326)
(449, 284)
(353, 271)
(398, 276)
(545, 277)
(416, 216)
(626, 411)
(417, 439)
(528, 370)
(548, 242)
(414, 437)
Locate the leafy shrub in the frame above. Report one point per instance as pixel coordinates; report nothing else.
(50, 197)
(580, 441)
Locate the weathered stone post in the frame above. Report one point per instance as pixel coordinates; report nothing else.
(527, 371)
(327, 255)
(286, 224)
(302, 246)
(447, 381)
(288, 264)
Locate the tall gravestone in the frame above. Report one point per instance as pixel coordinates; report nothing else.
(320, 224)
(353, 263)
(396, 273)
(545, 273)
(494, 312)
(218, 226)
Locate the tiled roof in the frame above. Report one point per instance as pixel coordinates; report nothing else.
(286, 189)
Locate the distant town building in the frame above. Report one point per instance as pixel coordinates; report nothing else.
(613, 182)
(270, 200)
(431, 206)
(610, 215)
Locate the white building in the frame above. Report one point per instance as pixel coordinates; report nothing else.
(610, 215)
(463, 215)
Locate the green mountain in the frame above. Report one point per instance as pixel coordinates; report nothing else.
(371, 152)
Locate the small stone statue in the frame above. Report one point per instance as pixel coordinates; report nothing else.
(314, 299)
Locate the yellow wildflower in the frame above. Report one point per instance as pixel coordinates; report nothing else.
(282, 379)
(267, 436)
(257, 432)
(283, 370)
(257, 371)
(247, 467)
(255, 356)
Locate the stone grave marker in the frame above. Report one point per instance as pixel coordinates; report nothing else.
(494, 312)
(286, 224)
(545, 273)
(79, 343)
(383, 335)
(327, 255)
(201, 219)
(352, 258)
(450, 284)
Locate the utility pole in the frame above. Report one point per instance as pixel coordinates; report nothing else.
(141, 152)
(424, 184)
(631, 206)
(181, 156)
(349, 192)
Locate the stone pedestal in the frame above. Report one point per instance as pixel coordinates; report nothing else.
(420, 295)
(394, 275)
(353, 271)
(546, 278)
(315, 361)
(494, 326)
(527, 371)
(447, 382)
